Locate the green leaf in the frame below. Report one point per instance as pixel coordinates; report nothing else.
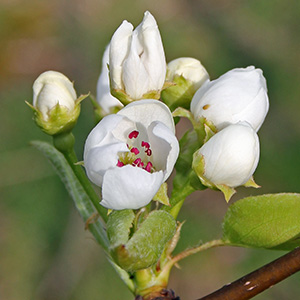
(76, 191)
(146, 245)
(268, 221)
(119, 224)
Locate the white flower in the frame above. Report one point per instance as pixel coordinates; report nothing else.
(238, 95)
(137, 61)
(52, 88)
(55, 104)
(104, 98)
(131, 153)
(189, 68)
(230, 157)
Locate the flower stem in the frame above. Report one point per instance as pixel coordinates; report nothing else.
(205, 246)
(64, 143)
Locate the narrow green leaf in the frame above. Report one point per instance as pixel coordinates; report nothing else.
(267, 221)
(76, 191)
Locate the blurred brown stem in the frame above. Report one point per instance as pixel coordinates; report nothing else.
(259, 280)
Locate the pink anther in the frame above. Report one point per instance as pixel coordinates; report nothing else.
(120, 164)
(145, 144)
(148, 167)
(135, 151)
(148, 152)
(133, 134)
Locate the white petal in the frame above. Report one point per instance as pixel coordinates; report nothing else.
(153, 56)
(231, 156)
(99, 159)
(238, 95)
(119, 47)
(104, 98)
(111, 129)
(165, 147)
(52, 88)
(147, 111)
(135, 77)
(129, 187)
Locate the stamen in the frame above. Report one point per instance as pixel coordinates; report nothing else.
(135, 151)
(148, 152)
(120, 164)
(148, 167)
(138, 162)
(145, 144)
(133, 134)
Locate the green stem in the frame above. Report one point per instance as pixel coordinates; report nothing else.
(64, 143)
(205, 246)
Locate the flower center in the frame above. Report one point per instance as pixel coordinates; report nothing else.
(139, 154)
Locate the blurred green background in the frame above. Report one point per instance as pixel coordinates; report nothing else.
(45, 254)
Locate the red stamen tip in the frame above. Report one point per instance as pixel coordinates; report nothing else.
(135, 151)
(145, 144)
(133, 134)
(120, 164)
(148, 152)
(148, 167)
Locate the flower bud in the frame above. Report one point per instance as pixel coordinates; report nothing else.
(238, 95)
(187, 75)
(137, 61)
(55, 103)
(228, 159)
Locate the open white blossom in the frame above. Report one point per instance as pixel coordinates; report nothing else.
(238, 95)
(230, 157)
(131, 153)
(137, 62)
(104, 98)
(52, 88)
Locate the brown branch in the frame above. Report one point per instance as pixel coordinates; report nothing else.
(259, 280)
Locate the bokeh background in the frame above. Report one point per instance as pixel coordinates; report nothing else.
(45, 254)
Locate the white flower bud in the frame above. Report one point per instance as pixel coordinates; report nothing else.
(238, 95)
(190, 69)
(137, 61)
(185, 75)
(52, 88)
(55, 103)
(229, 158)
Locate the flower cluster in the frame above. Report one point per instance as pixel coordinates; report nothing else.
(133, 149)
(236, 105)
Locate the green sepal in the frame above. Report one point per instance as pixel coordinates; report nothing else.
(60, 118)
(126, 99)
(251, 183)
(119, 223)
(268, 221)
(147, 244)
(162, 195)
(81, 199)
(179, 93)
(199, 168)
(226, 190)
(121, 96)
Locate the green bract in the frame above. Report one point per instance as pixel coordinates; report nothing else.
(145, 246)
